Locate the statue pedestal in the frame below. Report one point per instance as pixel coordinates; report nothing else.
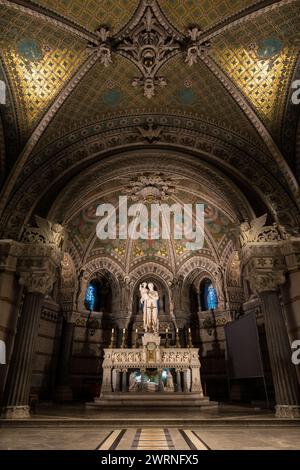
(153, 338)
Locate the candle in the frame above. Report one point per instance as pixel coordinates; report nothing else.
(177, 330)
(113, 330)
(136, 330)
(123, 331)
(167, 330)
(189, 330)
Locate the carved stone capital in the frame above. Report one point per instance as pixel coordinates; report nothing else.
(37, 282)
(268, 281)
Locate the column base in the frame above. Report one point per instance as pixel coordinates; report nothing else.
(287, 411)
(63, 393)
(15, 412)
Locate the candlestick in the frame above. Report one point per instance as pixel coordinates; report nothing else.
(178, 345)
(112, 339)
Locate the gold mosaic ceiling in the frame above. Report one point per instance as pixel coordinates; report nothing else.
(110, 91)
(92, 13)
(258, 56)
(39, 59)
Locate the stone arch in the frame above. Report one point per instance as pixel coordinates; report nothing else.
(100, 266)
(194, 271)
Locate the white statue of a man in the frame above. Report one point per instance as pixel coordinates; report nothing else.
(149, 300)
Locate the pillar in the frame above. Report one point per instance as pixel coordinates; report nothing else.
(160, 381)
(63, 391)
(178, 381)
(118, 381)
(10, 299)
(185, 383)
(106, 386)
(286, 386)
(16, 395)
(291, 294)
(284, 373)
(37, 267)
(142, 378)
(124, 381)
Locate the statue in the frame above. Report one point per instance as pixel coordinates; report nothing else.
(250, 231)
(46, 233)
(133, 382)
(149, 300)
(170, 382)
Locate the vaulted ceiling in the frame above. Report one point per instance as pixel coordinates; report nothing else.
(64, 107)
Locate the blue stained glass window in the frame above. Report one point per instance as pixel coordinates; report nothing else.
(212, 298)
(90, 297)
(208, 295)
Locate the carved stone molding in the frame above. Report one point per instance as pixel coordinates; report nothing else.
(258, 232)
(291, 251)
(16, 412)
(149, 41)
(37, 282)
(287, 411)
(46, 233)
(266, 282)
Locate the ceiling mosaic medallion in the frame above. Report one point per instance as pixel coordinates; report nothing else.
(149, 41)
(268, 50)
(150, 188)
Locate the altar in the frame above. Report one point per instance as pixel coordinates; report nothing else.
(151, 375)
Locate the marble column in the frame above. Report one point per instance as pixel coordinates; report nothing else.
(16, 395)
(160, 381)
(118, 381)
(124, 381)
(63, 391)
(10, 302)
(291, 294)
(178, 381)
(185, 382)
(284, 373)
(143, 371)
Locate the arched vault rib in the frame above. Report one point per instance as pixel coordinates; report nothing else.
(44, 14)
(259, 8)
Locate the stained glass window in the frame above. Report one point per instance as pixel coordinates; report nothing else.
(208, 296)
(212, 298)
(91, 296)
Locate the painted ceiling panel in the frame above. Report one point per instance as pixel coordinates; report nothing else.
(93, 13)
(110, 91)
(39, 61)
(82, 230)
(259, 57)
(203, 13)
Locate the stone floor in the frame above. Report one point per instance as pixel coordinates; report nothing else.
(150, 439)
(75, 428)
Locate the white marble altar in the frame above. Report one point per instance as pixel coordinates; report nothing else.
(119, 386)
